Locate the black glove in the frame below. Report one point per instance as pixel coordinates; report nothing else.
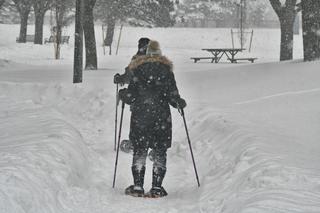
(126, 96)
(117, 78)
(181, 103)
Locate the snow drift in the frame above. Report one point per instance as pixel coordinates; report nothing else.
(254, 130)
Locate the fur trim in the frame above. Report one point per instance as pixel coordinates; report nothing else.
(139, 60)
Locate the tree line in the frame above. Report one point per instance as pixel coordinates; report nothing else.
(158, 13)
(286, 12)
(149, 13)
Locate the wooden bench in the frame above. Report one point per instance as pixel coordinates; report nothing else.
(49, 40)
(242, 59)
(64, 39)
(196, 59)
(29, 38)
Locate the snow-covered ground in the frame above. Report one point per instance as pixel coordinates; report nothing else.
(254, 129)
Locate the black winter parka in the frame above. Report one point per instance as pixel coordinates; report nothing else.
(151, 89)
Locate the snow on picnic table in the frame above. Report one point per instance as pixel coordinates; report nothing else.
(254, 130)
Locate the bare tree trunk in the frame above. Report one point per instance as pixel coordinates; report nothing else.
(23, 8)
(78, 43)
(286, 14)
(38, 34)
(89, 35)
(110, 33)
(286, 46)
(40, 8)
(58, 38)
(311, 29)
(59, 13)
(23, 26)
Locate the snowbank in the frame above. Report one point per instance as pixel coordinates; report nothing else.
(254, 130)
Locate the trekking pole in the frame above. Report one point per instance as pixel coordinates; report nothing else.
(181, 111)
(116, 119)
(118, 146)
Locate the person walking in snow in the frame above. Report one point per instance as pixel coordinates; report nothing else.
(152, 88)
(123, 79)
(142, 49)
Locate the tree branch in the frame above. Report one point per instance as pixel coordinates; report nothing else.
(276, 4)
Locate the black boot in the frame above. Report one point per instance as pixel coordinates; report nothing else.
(136, 190)
(157, 190)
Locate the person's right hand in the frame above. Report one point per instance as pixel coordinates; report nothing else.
(117, 78)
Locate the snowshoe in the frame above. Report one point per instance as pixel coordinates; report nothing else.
(126, 146)
(156, 192)
(135, 191)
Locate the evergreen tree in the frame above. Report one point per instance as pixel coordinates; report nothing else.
(152, 13)
(1, 3)
(9, 13)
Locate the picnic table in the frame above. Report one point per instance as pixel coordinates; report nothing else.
(230, 53)
(29, 38)
(51, 39)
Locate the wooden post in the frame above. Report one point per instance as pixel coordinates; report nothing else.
(232, 39)
(251, 40)
(103, 46)
(119, 38)
(241, 23)
(78, 44)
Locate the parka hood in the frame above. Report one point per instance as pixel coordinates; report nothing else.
(143, 59)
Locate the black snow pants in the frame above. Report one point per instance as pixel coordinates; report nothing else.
(159, 165)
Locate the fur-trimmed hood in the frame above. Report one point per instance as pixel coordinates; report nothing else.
(143, 59)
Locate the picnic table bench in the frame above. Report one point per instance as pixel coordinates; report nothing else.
(51, 39)
(196, 59)
(29, 38)
(218, 53)
(234, 60)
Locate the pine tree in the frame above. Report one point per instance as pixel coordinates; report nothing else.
(152, 13)
(1, 3)
(217, 10)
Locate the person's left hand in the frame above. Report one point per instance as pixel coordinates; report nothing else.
(181, 103)
(125, 96)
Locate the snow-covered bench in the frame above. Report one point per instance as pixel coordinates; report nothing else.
(234, 60)
(64, 39)
(196, 59)
(29, 38)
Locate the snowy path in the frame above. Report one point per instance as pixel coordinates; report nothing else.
(254, 129)
(238, 166)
